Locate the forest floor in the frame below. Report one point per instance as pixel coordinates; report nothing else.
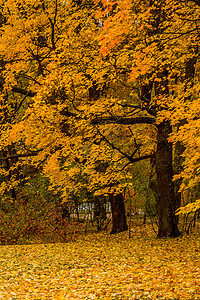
(103, 266)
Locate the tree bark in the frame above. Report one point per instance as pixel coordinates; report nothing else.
(167, 203)
(118, 213)
(7, 164)
(99, 211)
(179, 147)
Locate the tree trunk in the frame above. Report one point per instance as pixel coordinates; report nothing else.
(166, 197)
(8, 165)
(118, 213)
(99, 212)
(179, 147)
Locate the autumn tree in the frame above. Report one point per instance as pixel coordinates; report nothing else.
(143, 46)
(161, 57)
(64, 91)
(104, 83)
(47, 79)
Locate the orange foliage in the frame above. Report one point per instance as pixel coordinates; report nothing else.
(65, 66)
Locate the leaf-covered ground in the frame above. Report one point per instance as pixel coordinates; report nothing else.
(101, 266)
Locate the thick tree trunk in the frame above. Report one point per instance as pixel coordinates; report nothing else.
(166, 196)
(177, 168)
(179, 147)
(118, 213)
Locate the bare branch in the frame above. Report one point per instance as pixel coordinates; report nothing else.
(123, 121)
(136, 159)
(129, 157)
(21, 91)
(34, 153)
(196, 1)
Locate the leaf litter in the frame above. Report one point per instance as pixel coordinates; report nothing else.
(103, 266)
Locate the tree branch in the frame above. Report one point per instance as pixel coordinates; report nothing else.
(129, 157)
(123, 121)
(113, 146)
(196, 1)
(34, 153)
(21, 91)
(136, 159)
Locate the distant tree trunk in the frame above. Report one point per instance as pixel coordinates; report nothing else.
(166, 196)
(8, 165)
(99, 211)
(76, 203)
(65, 211)
(118, 213)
